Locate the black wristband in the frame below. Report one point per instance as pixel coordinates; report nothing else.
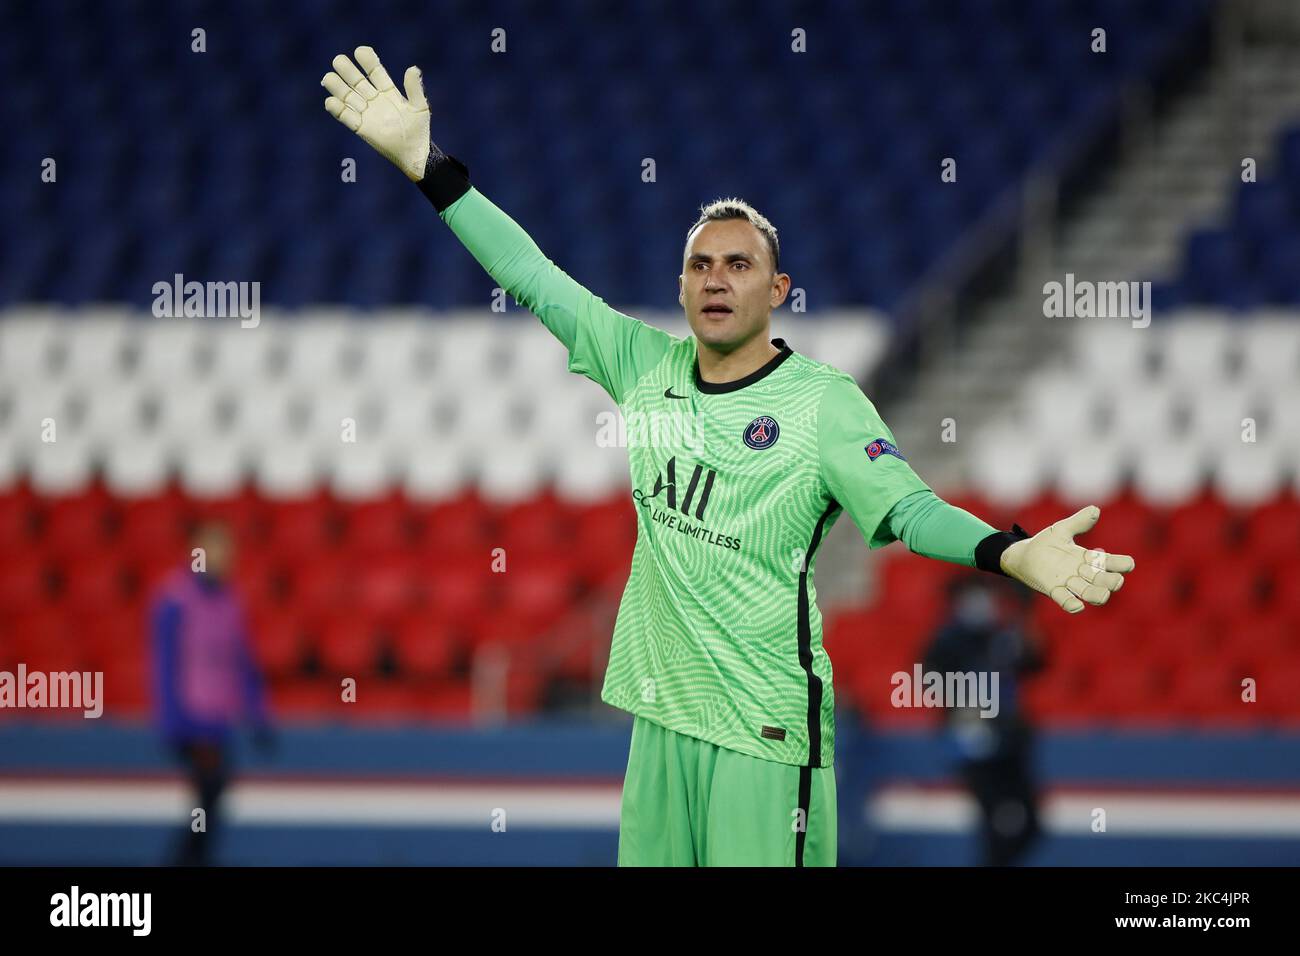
(988, 553)
(445, 180)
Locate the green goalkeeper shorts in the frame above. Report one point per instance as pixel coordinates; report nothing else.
(691, 803)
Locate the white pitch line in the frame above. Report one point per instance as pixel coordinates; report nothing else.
(305, 803)
(903, 808)
(595, 806)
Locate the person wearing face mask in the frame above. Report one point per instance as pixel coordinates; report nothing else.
(994, 744)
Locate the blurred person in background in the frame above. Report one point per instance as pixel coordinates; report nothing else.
(995, 752)
(206, 680)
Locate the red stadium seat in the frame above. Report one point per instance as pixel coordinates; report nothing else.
(582, 655)
(603, 538)
(109, 638)
(25, 583)
(262, 580)
(459, 593)
(386, 585)
(19, 514)
(537, 591)
(1131, 687)
(1157, 584)
(73, 522)
(347, 644)
(1257, 641)
(510, 629)
(381, 701)
(461, 525)
(277, 640)
(1277, 691)
(425, 645)
(244, 513)
(128, 688)
(1273, 531)
(1188, 635)
(1207, 690)
(155, 526)
(451, 702)
(1062, 697)
(1228, 588)
(95, 582)
(533, 529)
(321, 583)
(315, 699)
(1284, 588)
(1127, 526)
(45, 641)
(1198, 528)
(378, 528)
(303, 528)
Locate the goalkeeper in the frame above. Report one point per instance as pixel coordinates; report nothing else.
(717, 647)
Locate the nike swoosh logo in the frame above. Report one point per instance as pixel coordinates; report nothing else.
(668, 393)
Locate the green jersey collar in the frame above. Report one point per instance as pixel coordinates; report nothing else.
(717, 388)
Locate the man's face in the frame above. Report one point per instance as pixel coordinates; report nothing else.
(727, 285)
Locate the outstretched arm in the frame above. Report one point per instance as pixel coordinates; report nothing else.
(611, 348)
(866, 473)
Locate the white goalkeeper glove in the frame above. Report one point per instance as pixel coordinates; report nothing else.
(1051, 563)
(369, 105)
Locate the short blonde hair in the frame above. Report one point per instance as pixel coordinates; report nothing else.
(735, 208)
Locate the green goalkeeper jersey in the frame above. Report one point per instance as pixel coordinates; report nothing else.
(735, 485)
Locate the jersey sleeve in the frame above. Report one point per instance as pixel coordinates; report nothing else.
(861, 464)
(934, 528)
(610, 348)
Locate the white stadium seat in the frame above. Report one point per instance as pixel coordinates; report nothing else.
(1057, 407)
(1106, 351)
(60, 467)
(398, 347)
(286, 468)
(106, 416)
(1090, 471)
(29, 405)
(1270, 349)
(169, 353)
(211, 469)
(1194, 347)
(241, 356)
(135, 467)
(1168, 472)
(28, 337)
(1249, 473)
(96, 342)
(1138, 411)
(1217, 412)
(589, 473)
(360, 472)
(433, 473)
(318, 349)
(1004, 467)
(511, 472)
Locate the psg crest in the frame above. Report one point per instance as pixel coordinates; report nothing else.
(762, 433)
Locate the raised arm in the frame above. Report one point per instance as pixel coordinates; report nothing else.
(611, 348)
